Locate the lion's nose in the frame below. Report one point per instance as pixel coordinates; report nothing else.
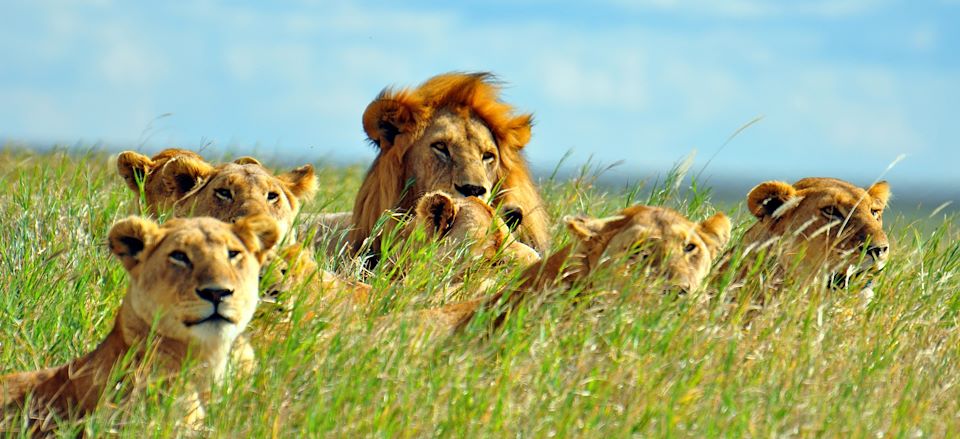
(470, 190)
(877, 251)
(214, 293)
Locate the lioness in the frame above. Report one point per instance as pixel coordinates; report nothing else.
(183, 182)
(661, 241)
(452, 133)
(817, 226)
(193, 281)
(468, 239)
(458, 222)
(159, 194)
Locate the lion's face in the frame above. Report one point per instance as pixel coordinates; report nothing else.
(195, 278)
(235, 191)
(189, 186)
(822, 224)
(660, 240)
(459, 222)
(456, 154)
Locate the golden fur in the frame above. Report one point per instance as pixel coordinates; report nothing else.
(819, 226)
(663, 243)
(471, 222)
(469, 237)
(242, 188)
(194, 281)
(189, 186)
(184, 183)
(159, 193)
(451, 133)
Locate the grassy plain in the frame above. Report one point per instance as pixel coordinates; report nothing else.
(816, 362)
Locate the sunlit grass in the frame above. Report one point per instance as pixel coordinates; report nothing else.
(813, 362)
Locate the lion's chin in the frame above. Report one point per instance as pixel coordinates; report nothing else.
(214, 328)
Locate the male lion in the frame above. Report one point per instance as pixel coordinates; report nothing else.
(667, 246)
(817, 226)
(452, 133)
(192, 281)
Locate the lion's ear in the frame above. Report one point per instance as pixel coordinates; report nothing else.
(586, 227)
(715, 232)
(133, 167)
(390, 115)
(259, 234)
(519, 130)
(129, 237)
(247, 160)
(302, 182)
(437, 210)
(764, 199)
(182, 174)
(880, 191)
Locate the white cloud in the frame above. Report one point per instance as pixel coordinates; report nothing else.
(622, 90)
(599, 79)
(924, 38)
(126, 63)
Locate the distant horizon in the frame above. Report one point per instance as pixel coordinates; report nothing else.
(726, 186)
(841, 88)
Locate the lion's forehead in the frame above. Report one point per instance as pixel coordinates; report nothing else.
(464, 128)
(846, 197)
(655, 226)
(664, 222)
(201, 233)
(248, 177)
(477, 218)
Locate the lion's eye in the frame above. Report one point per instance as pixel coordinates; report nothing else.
(441, 148)
(223, 194)
(831, 212)
(689, 248)
(272, 196)
(488, 157)
(180, 258)
(233, 253)
(875, 213)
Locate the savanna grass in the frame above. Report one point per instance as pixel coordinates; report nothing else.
(813, 362)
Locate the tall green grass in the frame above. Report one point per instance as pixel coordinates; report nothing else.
(814, 362)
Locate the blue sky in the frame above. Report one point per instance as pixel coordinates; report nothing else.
(843, 86)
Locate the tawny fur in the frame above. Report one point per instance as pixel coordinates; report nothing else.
(139, 171)
(463, 113)
(816, 226)
(675, 250)
(469, 236)
(163, 294)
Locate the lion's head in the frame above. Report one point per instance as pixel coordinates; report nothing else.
(453, 134)
(659, 239)
(470, 221)
(139, 170)
(821, 224)
(190, 186)
(194, 280)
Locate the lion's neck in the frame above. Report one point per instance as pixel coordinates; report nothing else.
(169, 354)
(124, 354)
